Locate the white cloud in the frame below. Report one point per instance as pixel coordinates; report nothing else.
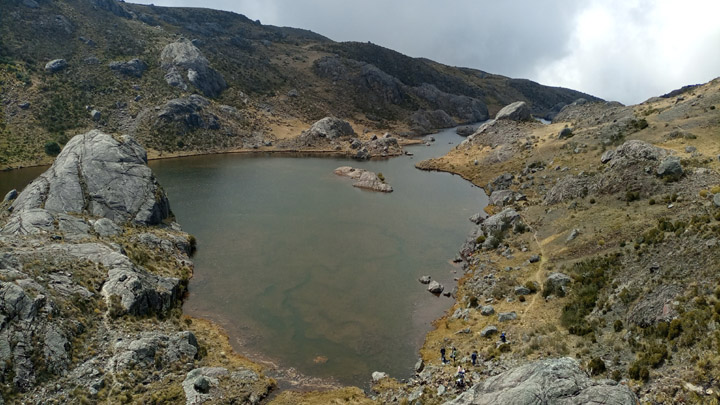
(632, 50)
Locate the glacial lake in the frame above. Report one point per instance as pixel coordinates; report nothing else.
(311, 275)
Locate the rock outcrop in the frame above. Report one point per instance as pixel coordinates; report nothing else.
(86, 303)
(424, 122)
(517, 111)
(95, 174)
(183, 60)
(56, 65)
(133, 67)
(364, 179)
(330, 128)
(552, 381)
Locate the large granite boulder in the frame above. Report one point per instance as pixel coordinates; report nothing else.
(99, 175)
(330, 128)
(550, 381)
(517, 111)
(56, 65)
(182, 60)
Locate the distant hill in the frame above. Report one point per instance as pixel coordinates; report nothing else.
(256, 80)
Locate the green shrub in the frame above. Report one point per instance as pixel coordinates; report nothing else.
(596, 366)
(631, 196)
(52, 148)
(618, 326)
(590, 277)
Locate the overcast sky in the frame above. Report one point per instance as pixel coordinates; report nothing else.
(624, 50)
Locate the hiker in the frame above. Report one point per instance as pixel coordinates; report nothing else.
(473, 358)
(442, 356)
(460, 382)
(453, 354)
(503, 338)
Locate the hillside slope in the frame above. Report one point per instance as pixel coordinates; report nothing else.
(258, 83)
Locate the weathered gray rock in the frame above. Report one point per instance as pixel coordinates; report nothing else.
(153, 349)
(99, 175)
(549, 381)
(607, 156)
(501, 182)
(534, 258)
(555, 284)
(190, 112)
(134, 67)
(56, 65)
(465, 130)
(435, 287)
(198, 382)
(72, 227)
(507, 316)
(489, 331)
(378, 375)
(517, 111)
(502, 198)
(105, 227)
(716, 199)
(29, 222)
(565, 133)
(634, 151)
(522, 290)
(425, 279)
(364, 179)
(573, 234)
(95, 115)
(500, 222)
(182, 58)
(30, 4)
(11, 195)
(419, 365)
(129, 290)
(330, 128)
(670, 167)
(487, 310)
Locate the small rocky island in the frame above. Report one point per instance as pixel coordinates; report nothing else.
(365, 179)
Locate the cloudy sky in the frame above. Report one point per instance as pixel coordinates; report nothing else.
(624, 50)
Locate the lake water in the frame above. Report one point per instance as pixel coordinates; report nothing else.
(311, 274)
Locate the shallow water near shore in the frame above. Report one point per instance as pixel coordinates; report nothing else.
(313, 275)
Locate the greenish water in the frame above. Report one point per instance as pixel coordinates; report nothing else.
(299, 265)
(296, 263)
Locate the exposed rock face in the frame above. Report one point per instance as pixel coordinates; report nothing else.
(465, 130)
(465, 108)
(98, 175)
(182, 59)
(133, 67)
(552, 381)
(56, 65)
(365, 179)
(517, 111)
(113, 7)
(189, 111)
(423, 122)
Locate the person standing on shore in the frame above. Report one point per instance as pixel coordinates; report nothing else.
(442, 356)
